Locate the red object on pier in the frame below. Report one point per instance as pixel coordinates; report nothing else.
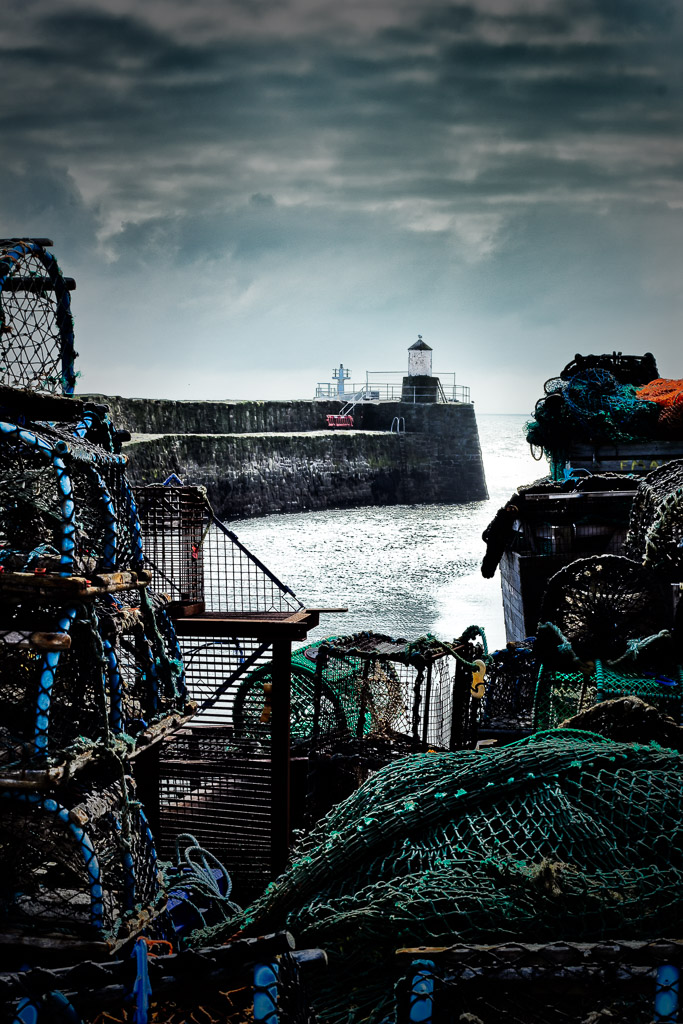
(339, 421)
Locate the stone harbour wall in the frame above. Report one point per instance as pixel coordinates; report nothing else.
(164, 416)
(275, 468)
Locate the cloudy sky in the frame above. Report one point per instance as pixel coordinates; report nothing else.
(249, 191)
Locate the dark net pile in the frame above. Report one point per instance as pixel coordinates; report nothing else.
(668, 396)
(597, 400)
(563, 834)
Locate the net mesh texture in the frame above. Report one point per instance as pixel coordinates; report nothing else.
(563, 834)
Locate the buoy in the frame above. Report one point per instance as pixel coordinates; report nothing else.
(478, 687)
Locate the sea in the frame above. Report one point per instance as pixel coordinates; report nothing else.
(401, 570)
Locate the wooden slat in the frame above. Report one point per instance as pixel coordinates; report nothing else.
(39, 640)
(261, 626)
(76, 587)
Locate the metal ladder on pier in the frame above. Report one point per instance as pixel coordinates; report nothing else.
(398, 427)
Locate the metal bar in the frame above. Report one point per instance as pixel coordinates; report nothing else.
(280, 767)
(147, 776)
(428, 695)
(233, 677)
(245, 551)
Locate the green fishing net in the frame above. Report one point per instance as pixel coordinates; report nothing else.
(565, 835)
(561, 695)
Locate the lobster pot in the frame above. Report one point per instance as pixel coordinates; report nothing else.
(655, 533)
(507, 706)
(173, 520)
(145, 673)
(80, 862)
(36, 326)
(108, 666)
(409, 694)
(65, 505)
(555, 983)
(195, 558)
(662, 690)
(49, 698)
(561, 695)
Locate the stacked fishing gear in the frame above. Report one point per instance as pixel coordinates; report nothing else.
(563, 835)
(605, 400)
(90, 671)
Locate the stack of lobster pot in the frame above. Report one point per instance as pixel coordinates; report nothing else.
(90, 671)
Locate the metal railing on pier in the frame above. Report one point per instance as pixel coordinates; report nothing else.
(393, 390)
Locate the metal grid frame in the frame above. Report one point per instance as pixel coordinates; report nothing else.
(195, 557)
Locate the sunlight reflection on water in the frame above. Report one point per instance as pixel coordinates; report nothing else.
(402, 570)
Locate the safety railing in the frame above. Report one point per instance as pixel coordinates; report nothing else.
(382, 392)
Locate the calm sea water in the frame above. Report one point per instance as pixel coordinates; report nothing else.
(401, 570)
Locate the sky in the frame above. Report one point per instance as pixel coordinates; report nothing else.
(249, 192)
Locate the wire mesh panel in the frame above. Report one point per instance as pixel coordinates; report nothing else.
(220, 794)
(173, 521)
(36, 327)
(215, 667)
(216, 779)
(198, 559)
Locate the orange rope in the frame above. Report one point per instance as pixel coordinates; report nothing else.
(154, 945)
(662, 391)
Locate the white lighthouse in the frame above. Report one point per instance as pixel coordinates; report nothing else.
(420, 385)
(420, 359)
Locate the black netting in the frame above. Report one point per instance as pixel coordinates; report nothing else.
(601, 603)
(36, 327)
(655, 534)
(79, 862)
(511, 675)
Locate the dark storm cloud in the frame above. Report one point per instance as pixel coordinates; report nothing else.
(310, 159)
